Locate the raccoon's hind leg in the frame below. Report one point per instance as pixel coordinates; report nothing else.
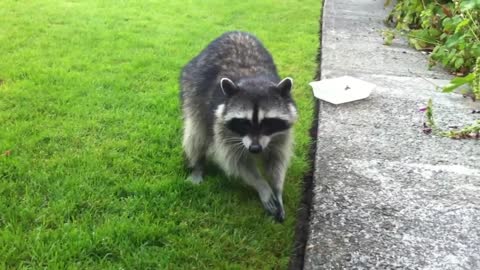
(251, 175)
(195, 147)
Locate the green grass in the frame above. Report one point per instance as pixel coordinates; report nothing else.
(91, 167)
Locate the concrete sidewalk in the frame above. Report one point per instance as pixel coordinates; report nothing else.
(386, 195)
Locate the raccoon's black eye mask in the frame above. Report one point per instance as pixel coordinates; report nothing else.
(268, 126)
(241, 126)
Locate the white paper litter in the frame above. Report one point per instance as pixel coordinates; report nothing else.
(342, 89)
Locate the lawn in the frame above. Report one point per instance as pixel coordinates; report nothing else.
(92, 174)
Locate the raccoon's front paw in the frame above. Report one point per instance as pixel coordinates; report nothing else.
(275, 208)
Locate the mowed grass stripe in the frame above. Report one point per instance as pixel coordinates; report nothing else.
(91, 165)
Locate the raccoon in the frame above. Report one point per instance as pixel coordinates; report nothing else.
(239, 113)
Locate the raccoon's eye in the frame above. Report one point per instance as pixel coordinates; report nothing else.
(274, 125)
(239, 126)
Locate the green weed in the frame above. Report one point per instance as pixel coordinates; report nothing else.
(467, 132)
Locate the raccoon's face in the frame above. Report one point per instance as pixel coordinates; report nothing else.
(256, 111)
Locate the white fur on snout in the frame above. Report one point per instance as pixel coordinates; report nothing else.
(247, 141)
(264, 140)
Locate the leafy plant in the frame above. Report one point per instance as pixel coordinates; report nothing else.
(450, 30)
(388, 36)
(476, 80)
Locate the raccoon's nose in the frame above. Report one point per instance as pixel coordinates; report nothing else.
(255, 148)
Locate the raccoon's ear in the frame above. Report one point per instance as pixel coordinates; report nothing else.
(285, 86)
(229, 88)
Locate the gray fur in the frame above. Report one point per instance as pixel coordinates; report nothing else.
(235, 78)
